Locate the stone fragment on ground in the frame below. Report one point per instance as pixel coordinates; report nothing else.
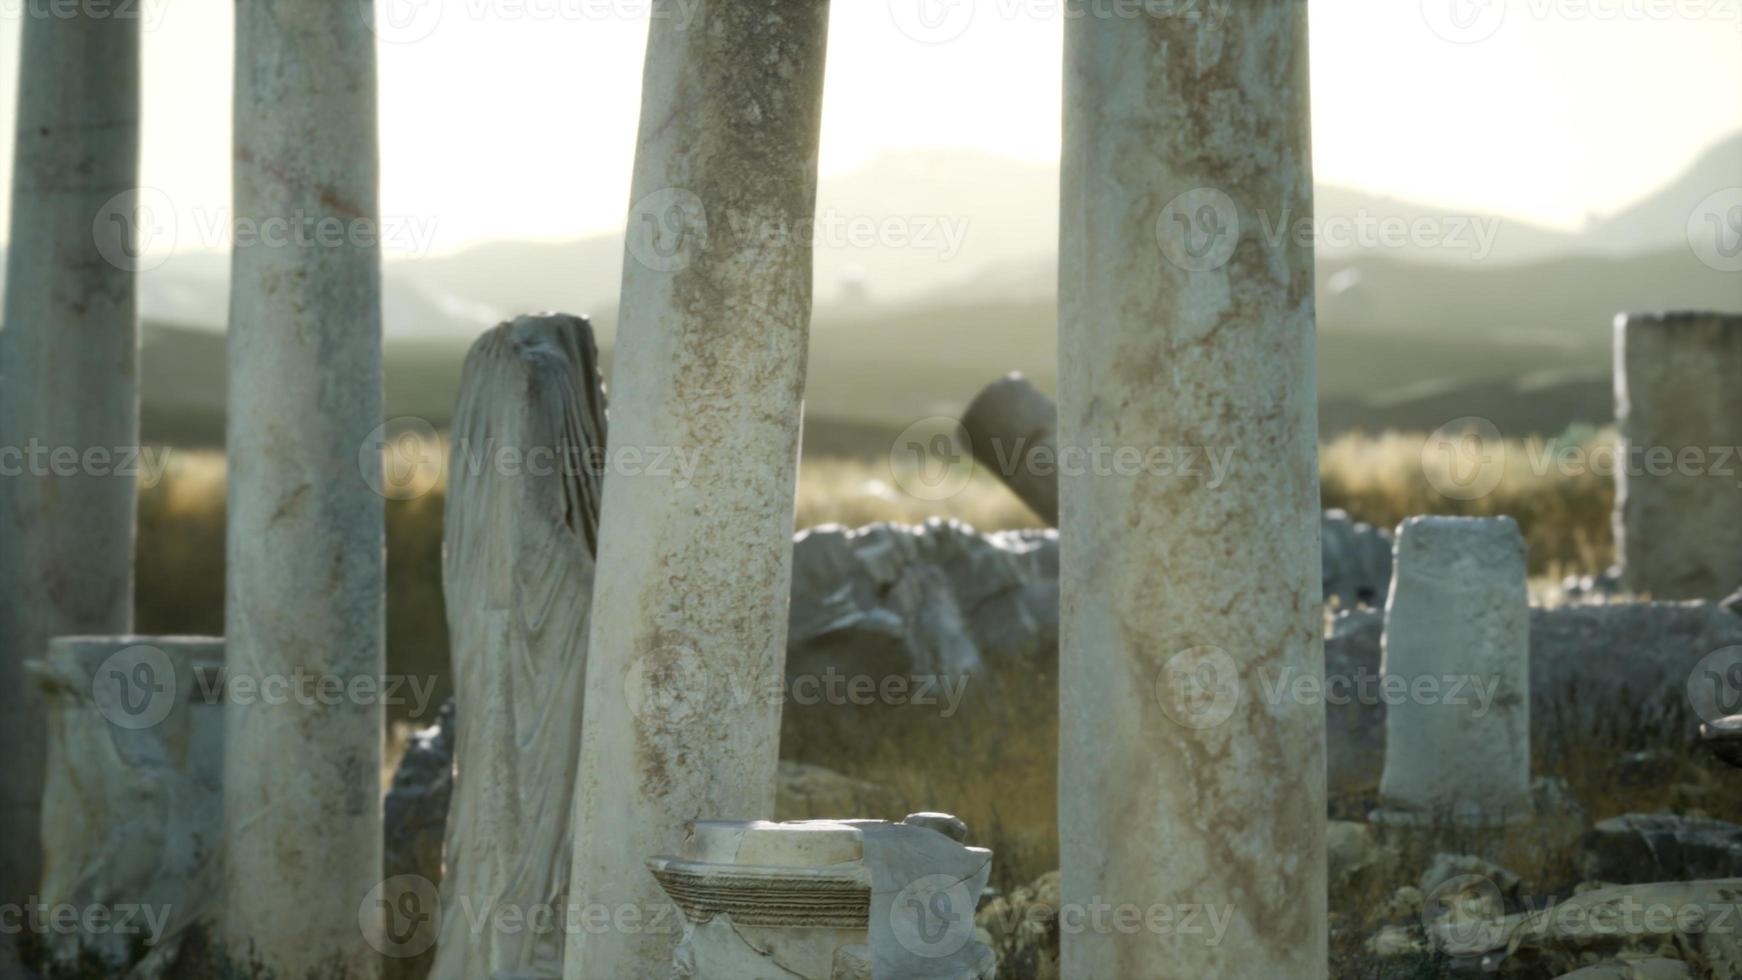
(1644, 847)
(1694, 921)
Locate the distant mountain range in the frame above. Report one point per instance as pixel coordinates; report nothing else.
(954, 225)
(1504, 318)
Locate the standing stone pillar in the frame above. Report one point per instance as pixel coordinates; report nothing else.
(69, 395)
(1678, 504)
(1457, 634)
(1183, 783)
(682, 714)
(304, 586)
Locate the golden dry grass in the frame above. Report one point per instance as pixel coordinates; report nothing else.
(1561, 507)
(1565, 518)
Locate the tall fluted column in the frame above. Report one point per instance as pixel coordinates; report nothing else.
(695, 549)
(69, 391)
(1187, 783)
(303, 596)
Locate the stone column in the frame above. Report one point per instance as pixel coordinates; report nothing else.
(304, 582)
(682, 713)
(68, 380)
(133, 797)
(1013, 431)
(1457, 633)
(1678, 505)
(1184, 780)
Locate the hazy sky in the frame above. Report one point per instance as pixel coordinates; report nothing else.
(517, 117)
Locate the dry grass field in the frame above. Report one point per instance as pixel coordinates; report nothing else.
(1565, 517)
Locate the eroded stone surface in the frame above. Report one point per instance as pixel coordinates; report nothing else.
(1458, 611)
(304, 539)
(690, 631)
(1678, 517)
(823, 899)
(1012, 429)
(69, 358)
(1689, 921)
(960, 629)
(133, 804)
(1181, 325)
(1643, 847)
(1616, 673)
(517, 579)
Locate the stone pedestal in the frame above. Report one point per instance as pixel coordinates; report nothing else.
(684, 674)
(69, 387)
(132, 809)
(1457, 634)
(1678, 489)
(828, 899)
(304, 572)
(1013, 431)
(517, 574)
(1183, 784)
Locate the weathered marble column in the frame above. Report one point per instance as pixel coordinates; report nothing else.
(304, 582)
(695, 542)
(133, 794)
(517, 574)
(1678, 494)
(1183, 782)
(1457, 634)
(1013, 431)
(69, 395)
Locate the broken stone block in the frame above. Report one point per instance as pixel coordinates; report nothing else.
(1694, 921)
(1642, 847)
(827, 900)
(132, 810)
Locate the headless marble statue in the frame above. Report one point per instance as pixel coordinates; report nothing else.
(521, 533)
